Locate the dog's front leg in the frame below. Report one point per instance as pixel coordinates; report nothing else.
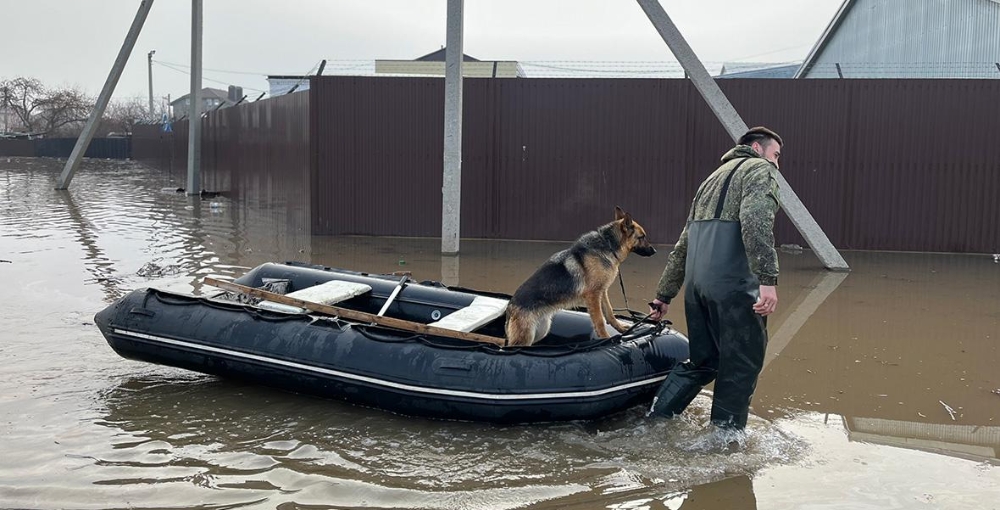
(609, 314)
(594, 305)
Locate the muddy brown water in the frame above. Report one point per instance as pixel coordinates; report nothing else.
(849, 413)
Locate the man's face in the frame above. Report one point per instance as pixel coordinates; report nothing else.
(769, 150)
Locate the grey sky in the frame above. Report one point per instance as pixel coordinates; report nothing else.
(74, 42)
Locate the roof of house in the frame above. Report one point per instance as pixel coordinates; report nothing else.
(439, 56)
(206, 92)
(784, 70)
(831, 29)
(825, 37)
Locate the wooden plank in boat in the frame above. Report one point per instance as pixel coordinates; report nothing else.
(345, 313)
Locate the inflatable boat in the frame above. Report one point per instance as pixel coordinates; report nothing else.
(387, 342)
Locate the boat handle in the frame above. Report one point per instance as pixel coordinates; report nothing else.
(452, 364)
(143, 311)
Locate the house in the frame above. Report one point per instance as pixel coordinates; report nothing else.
(279, 85)
(432, 64)
(211, 99)
(909, 39)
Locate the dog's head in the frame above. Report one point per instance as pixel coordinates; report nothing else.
(633, 235)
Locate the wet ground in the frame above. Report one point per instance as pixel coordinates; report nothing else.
(852, 409)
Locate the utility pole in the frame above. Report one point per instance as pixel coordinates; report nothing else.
(152, 111)
(194, 112)
(104, 97)
(451, 189)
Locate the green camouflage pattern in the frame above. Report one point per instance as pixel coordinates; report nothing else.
(752, 200)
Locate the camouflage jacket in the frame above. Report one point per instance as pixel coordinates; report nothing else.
(752, 199)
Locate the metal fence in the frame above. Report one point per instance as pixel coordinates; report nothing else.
(881, 164)
(256, 154)
(107, 148)
(254, 151)
(17, 148)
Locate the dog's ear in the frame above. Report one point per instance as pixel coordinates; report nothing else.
(627, 225)
(625, 218)
(628, 222)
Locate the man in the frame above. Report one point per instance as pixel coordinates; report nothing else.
(726, 259)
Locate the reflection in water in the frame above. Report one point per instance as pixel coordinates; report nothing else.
(96, 262)
(450, 269)
(730, 494)
(228, 435)
(801, 309)
(966, 441)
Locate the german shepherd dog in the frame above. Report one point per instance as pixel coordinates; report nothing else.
(584, 272)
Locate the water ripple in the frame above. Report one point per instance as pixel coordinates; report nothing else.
(237, 435)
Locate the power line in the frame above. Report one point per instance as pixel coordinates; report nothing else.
(185, 66)
(305, 76)
(188, 72)
(769, 52)
(636, 68)
(343, 64)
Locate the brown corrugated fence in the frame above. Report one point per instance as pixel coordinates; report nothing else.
(881, 164)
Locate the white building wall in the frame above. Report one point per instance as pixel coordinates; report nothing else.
(912, 39)
(281, 86)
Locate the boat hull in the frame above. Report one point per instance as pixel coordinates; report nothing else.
(575, 377)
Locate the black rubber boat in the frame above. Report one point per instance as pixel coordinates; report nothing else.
(569, 375)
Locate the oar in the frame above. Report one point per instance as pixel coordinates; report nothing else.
(392, 296)
(355, 315)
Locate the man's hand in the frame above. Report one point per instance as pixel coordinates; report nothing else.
(768, 301)
(657, 309)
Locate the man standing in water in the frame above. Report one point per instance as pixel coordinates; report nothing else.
(726, 259)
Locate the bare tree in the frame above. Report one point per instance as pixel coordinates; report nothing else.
(20, 96)
(65, 111)
(122, 115)
(45, 111)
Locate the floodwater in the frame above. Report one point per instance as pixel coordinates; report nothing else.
(852, 409)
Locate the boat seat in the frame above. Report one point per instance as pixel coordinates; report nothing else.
(481, 311)
(328, 293)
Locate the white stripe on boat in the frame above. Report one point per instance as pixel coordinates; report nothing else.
(390, 384)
